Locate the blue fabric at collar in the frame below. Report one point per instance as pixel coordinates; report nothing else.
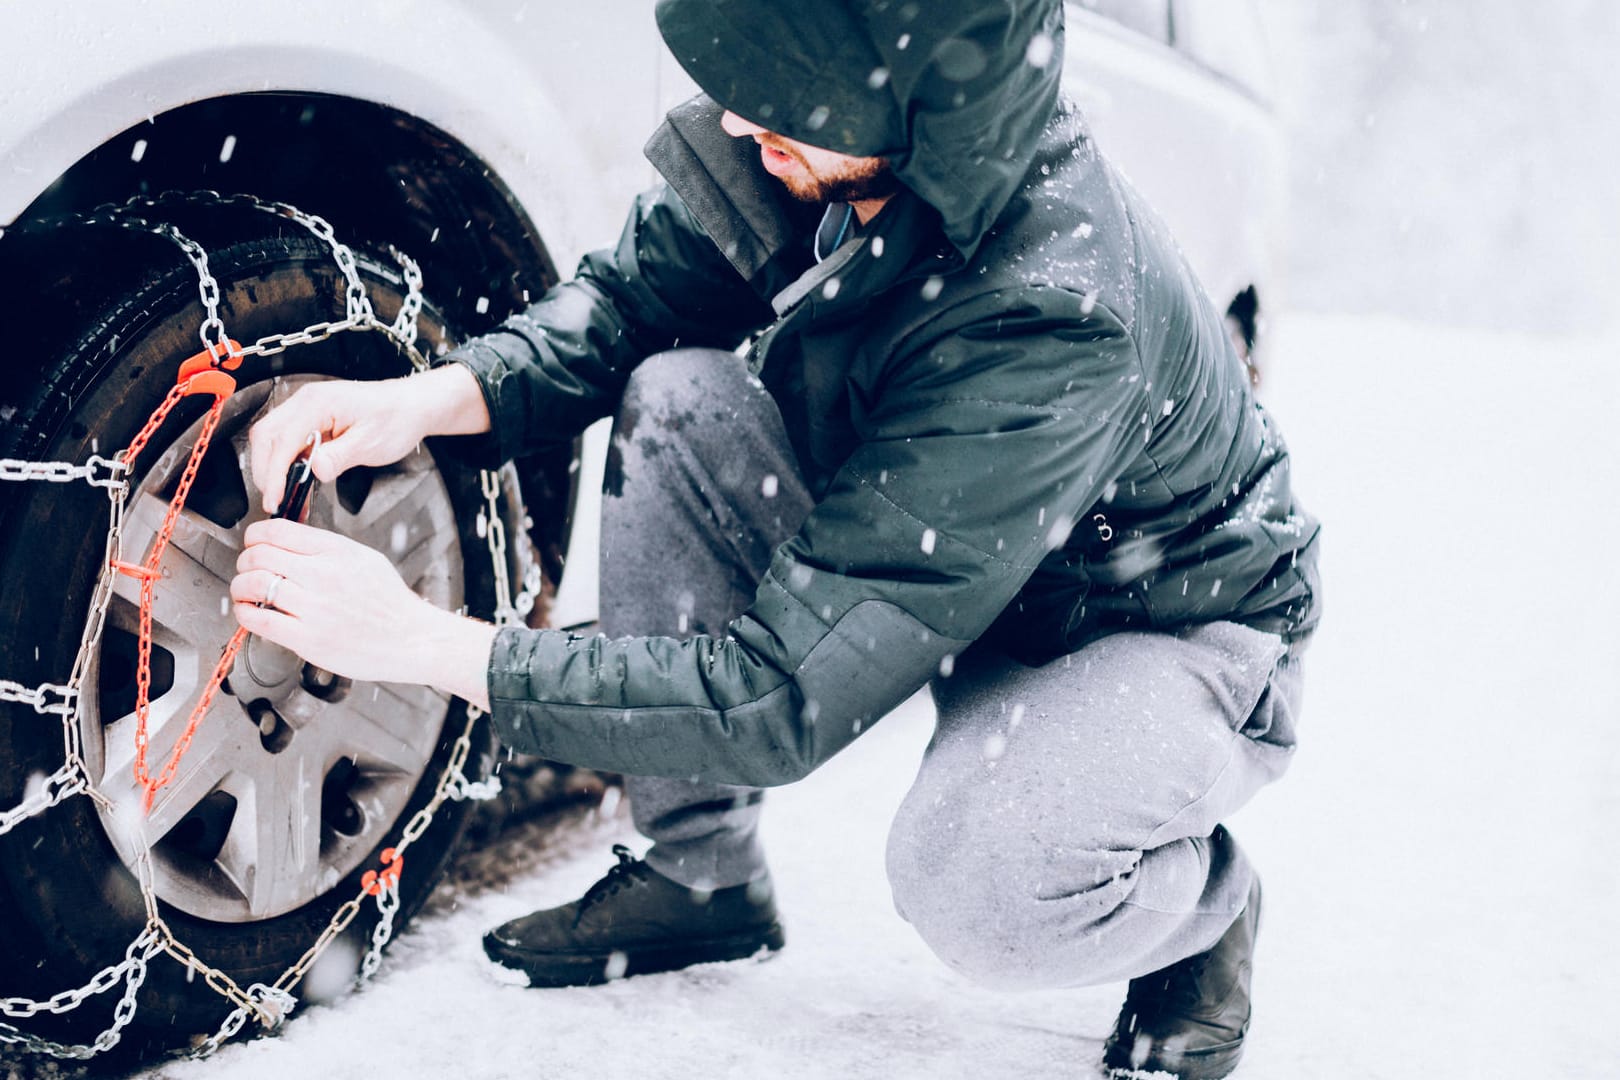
(834, 228)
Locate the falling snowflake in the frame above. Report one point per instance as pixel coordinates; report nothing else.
(1039, 52)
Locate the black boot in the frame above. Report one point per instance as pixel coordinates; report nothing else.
(635, 921)
(1189, 1019)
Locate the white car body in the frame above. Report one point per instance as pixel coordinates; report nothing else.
(555, 100)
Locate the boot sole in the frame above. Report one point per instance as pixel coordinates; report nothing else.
(556, 970)
(1215, 1063)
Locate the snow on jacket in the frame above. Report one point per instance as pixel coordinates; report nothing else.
(1018, 412)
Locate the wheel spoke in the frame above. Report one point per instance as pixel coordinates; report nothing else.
(224, 741)
(202, 771)
(272, 852)
(212, 547)
(189, 670)
(391, 727)
(406, 517)
(192, 599)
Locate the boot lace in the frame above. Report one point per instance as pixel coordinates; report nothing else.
(628, 871)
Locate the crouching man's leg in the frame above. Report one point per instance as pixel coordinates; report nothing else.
(1063, 829)
(700, 488)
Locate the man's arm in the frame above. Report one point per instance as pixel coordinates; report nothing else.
(548, 372)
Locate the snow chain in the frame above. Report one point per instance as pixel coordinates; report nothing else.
(268, 1004)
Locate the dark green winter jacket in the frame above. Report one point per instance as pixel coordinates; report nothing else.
(1018, 412)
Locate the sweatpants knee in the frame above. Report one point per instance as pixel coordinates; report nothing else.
(670, 383)
(693, 413)
(1008, 918)
(669, 422)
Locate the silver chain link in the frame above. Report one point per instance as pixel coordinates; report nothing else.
(271, 1005)
(65, 782)
(268, 1004)
(493, 529)
(39, 697)
(387, 907)
(97, 471)
(131, 970)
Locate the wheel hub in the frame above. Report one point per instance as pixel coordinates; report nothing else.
(269, 665)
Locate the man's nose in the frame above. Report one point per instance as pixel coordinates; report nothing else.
(736, 126)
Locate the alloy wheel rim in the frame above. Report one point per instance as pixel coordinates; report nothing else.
(294, 775)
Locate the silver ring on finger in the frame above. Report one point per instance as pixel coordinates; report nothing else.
(269, 600)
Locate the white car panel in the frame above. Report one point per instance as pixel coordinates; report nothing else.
(1159, 117)
(528, 95)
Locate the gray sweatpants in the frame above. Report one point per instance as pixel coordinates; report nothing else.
(1064, 827)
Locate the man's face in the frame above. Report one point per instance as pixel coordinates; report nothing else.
(812, 174)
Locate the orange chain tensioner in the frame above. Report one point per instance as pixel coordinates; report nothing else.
(204, 373)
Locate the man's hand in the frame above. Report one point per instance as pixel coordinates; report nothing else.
(341, 606)
(363, 423)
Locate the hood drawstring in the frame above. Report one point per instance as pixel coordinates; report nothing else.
(826, 247)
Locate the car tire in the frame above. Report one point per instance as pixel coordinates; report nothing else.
(70, 903)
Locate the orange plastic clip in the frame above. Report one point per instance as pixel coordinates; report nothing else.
(134, 570)
(205, 373)
(374, 883)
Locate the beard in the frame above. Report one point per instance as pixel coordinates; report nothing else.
(871, 178)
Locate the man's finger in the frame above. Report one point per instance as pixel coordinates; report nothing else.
(267, 588)
(262, 454)
(290, 536)
(281, 434)
(269, 558)
(268, 623)
(328, 460)
(273, 444)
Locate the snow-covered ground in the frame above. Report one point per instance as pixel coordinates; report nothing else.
(1440, 863)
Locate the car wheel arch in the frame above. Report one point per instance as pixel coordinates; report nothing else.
(379, 175)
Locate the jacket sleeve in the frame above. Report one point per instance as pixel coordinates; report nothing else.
(986, 445)
(551, 370)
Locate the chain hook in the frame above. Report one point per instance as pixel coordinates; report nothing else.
(374, 883)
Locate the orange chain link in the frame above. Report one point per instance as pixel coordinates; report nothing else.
(201, 374)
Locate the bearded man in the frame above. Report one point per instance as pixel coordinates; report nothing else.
(909, 388)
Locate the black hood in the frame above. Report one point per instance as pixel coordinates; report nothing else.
(955, 93)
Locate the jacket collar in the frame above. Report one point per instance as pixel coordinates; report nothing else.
(722, 184)
(766, 234)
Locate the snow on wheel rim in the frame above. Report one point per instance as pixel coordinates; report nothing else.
(294, 775)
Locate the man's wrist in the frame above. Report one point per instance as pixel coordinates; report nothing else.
(454, 654)
(450, 399)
